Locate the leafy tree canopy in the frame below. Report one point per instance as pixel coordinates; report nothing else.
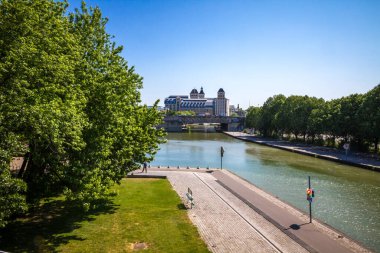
(69, 100)
(354, 118)
(180, 113)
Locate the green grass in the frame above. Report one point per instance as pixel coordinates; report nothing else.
(145, 210)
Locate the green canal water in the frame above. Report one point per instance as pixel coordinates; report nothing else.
(347, 198)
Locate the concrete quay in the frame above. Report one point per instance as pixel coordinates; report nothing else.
(354, 159)
(233, 215)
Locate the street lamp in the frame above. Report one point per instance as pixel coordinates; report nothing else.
(221, 157)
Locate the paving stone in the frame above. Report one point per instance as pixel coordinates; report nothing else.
(224, 222)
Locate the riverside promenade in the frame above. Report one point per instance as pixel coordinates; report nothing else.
(362, 160)
(232, 215)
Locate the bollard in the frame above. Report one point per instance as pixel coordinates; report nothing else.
(198, 167)
(168, 167)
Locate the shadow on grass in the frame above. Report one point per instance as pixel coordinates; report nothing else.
(44, 230)
(181, 206)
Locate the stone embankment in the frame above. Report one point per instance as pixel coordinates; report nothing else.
(233, 215)
(366, 161)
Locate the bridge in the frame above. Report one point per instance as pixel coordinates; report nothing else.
(227, 123)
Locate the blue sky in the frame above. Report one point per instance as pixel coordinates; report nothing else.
(252, 49)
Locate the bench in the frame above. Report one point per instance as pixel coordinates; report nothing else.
(190, 198)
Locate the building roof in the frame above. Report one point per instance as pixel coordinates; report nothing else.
(201, 92)
(181, 96)
(194, 91)
(221, 90)
(197, 103)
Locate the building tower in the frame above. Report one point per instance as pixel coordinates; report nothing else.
(194, 94)
(222, 104)
(221, 93)
(201, 93)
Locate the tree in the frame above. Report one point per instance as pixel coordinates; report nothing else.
(12, 198)
(370, 116)
(355, 117)
(121, 133)
(317, 120)
(310, 103)
(295, 113)
(71, 99)
(185, 113)
(43, 102)
(253, 117)
(269, 113)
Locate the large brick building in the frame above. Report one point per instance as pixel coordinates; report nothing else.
(197, 103)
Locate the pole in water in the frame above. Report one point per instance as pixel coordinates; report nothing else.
(310, 201)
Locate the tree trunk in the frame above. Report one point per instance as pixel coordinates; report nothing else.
(24, 165)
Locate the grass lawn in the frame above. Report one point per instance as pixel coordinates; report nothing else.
(146, 213)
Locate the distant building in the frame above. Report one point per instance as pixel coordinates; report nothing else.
(237, 111)
(222, 107)
(197, 103)
(159, 108)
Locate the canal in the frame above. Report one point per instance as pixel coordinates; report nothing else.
(347, 198)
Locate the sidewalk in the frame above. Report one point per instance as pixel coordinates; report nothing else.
(355, 159)
(312, 236)
(233, 215)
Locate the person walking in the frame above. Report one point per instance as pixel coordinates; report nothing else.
(145, 168)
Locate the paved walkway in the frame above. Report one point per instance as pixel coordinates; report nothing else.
(232, 215)
(363, 160)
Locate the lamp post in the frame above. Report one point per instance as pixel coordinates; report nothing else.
(309, 197)
(221, 157)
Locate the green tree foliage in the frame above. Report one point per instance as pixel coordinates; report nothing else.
(180, 113)
(12, 198)
(268, 121)
(370, 116)
(347, 116)
(317, 121)
(355, 118)
(70, 101)
(253, 116)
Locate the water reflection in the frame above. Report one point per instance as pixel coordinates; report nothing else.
(278, 158)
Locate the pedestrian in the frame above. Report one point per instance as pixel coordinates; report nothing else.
(145, 167)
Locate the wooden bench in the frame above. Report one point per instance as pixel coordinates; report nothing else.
(190, 198)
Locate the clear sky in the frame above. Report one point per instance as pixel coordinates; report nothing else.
(252, 49)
